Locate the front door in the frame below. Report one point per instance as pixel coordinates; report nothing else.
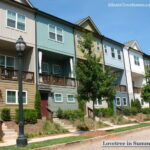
(44, 104)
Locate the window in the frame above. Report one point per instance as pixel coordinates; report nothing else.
(58, 97)
(56, 69)
(118, 102)
(15, 20)
(119, 54)
(7, 61)
(105, 48)
(136, 60)
(112, 52)
(98, 45)
(98, 102)
(55, 33)
(124, 101)
(45, 67)
(12, 97)
(70, 98)
(78, 39)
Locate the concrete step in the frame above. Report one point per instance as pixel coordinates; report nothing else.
(10, 137)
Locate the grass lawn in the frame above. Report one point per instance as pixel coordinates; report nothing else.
(130, 127)
(45, 143)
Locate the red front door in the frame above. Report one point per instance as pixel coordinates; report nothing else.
(44, 104)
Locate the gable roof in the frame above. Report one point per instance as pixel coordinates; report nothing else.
(84, 20)
(26, 2)
(134, 44)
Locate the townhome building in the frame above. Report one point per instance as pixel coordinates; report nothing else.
(146, 62)
(86, 25)
(135, 70)
(16, 19)
(114, 59)
(56, 61)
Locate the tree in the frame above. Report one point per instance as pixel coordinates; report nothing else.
(146, 88)
(95, 82)
(37, 104)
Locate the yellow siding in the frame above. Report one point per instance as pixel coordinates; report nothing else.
(10, 85)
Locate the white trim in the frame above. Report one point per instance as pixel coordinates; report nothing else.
(16, 20)
(61, 98)
(119, 100)
(73, 98)
(16, 94)
(123, 101)
(97, 104)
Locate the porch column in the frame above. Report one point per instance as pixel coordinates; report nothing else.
(71, 67)
(40, 62)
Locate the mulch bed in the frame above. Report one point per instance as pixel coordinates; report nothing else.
(29, 128)
(94, 133)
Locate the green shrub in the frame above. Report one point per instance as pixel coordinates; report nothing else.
(106, 112)
(128, 111)
(30, 116)
(117, 119)
(136, 103)
(146, 110)
(69, 114)
(5, 114)
(37, 104)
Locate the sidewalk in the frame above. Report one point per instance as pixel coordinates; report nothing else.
(77, 133)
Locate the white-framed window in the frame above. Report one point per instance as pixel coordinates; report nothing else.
(56, 69)
(58, 97)
(12, 97)
(98, 45)
(105, 49)
(7, 61)
(136, 60)
(124, 101)
(119, 54)
(56, 33)
(98, 102)
(45, 67)
(70, 98)
(78, 39)
(118, 101)
(15, 20)
(112, 52)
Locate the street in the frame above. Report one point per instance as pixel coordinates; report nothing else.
(97, 145)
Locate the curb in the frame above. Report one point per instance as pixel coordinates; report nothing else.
(55, 147)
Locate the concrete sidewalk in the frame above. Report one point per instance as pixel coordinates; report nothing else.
(77, 133)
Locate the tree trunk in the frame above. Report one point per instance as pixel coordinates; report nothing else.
(94, 123)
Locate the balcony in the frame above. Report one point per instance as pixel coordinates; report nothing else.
(56, 80)
(120, 88)
(12, 75)
(137, 90)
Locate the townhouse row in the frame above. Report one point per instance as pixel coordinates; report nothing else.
(50, 57)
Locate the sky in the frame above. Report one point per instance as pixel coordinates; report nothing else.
(122, 24)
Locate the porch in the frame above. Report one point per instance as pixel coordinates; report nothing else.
(56, 69)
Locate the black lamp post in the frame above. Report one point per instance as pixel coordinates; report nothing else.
(20, 47)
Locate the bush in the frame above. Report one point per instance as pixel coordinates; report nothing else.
(37, 104)
(128, 111)
(106, 112)
(146, 110)
(30, 116)
(69, 114)
(117, 119)
(5, 114)
(136, 103)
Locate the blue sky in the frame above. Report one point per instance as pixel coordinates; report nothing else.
(119, 23)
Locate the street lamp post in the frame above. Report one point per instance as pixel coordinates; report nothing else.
(20, 47)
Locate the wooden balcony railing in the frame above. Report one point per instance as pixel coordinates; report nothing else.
(11, 74)
(137, 90)
(56, 80)
(120, 88)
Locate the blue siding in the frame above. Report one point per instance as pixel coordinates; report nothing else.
(109, 60)
(43, 41)
(122, 95)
